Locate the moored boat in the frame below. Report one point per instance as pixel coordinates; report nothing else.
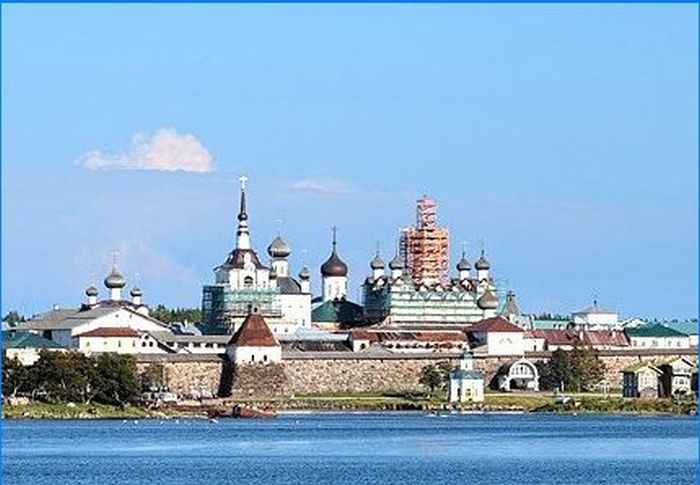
(243, 412)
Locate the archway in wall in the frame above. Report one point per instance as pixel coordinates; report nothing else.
(522, 375)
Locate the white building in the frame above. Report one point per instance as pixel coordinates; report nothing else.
(466, 384)
(242, 279)
(496, 336)
(657, 336)
(121, 340)
(254, 343)
(65, 326)
(595, 317)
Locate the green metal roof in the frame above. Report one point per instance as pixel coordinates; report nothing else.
(26, 340)
(340, 311)
(656, 330)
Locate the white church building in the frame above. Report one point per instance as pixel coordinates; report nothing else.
(243, 279)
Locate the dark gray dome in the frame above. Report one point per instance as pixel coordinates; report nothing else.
(136, 291)
(487, 301)
(396, 263)
(463, 264)
(334, 266)
(377, 262)
(91, 291)
(304, 274)
(115, 279)
(482, 263)
(279, 248)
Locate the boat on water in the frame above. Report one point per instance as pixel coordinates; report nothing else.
(243, 412)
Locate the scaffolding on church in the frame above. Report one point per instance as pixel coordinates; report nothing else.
(425, 247)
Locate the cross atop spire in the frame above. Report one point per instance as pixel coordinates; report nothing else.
(242, 236)
(335, 242)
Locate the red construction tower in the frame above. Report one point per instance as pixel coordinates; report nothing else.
(425, 247)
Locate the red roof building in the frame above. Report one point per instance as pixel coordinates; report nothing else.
(494, 324)
(122, 332)
(254, 332)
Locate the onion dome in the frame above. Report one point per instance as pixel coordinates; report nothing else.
(136, 291)
(334, 266)
(91, 291)
(115, 279)
(377, 262)
(304, 274)
(487, 301)
(463, 264)
(396, 263)
(482, 263)
(279, 248)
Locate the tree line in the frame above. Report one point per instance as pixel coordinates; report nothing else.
(107, 378)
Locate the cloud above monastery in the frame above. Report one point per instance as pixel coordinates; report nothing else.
(321, 186)
(166, 150)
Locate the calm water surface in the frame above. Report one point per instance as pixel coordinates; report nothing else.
(407, 449)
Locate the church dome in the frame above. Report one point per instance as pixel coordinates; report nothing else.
(304, 274)
(334, 266)
(377, 262)
(487, 301)
(463, 264)
(482, 263)
(115, 279)
(91, 291)
(396, 263)
(279, 248)
(136, 291)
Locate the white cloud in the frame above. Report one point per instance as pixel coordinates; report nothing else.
(322, 186)
(167, 150)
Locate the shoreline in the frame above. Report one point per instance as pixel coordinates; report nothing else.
(496, 404)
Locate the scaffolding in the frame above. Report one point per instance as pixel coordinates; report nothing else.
(425, 247)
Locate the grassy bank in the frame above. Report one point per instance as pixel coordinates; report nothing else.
(494, 402)
(41, 410)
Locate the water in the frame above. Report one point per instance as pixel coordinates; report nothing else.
(406, 449)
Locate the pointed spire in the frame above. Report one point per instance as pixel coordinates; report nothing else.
(242, 235)
(335, 242)
(242, 212)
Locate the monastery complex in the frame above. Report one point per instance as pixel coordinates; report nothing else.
(264, 334)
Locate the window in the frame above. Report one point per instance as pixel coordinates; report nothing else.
(119, 343)
(248, 281)
(252, 358)
(264, 358)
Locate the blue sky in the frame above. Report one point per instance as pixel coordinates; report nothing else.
(564, 136)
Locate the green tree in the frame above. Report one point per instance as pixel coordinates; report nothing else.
(431, 378)
(64, 376)
(153, 377)
(577, 370)
(167, 315)
(16, 378)
(116, 380)
(13, 318)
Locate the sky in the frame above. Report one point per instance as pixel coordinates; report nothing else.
(563, 137)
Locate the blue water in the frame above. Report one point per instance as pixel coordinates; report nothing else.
(407, 449)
